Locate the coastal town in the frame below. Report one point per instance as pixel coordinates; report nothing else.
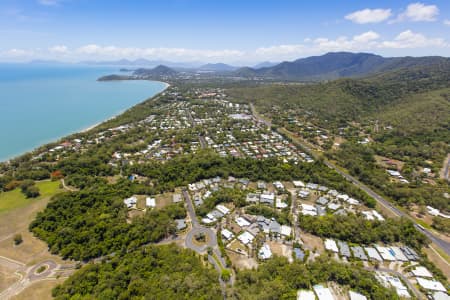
(239, 223)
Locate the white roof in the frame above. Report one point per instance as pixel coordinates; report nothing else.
(151, 202)
(385, 253)
(298, 183)
(227, 234)
(280, 204)
(331, 245)
(421, 272)
(398, 254)
(431, 284)
(308, 207)
(286, 230)
(222, 209)
(356, 296)
(306, 295)
(440, 296)
(323, 293)
(333, 206)
(373, 253)
(265, 252)
(242, 222)
(377, 215)
(246, 237)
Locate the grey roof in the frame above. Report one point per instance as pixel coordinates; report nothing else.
(322, 201)
(358, 252)
(299, 254)
(275, 227)
(344, 249)
(410, 253)
(217, 214)
(320, 210)
(341, 212)
(181, 224)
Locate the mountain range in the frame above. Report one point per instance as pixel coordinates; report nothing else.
(335, 65)
(329, 66)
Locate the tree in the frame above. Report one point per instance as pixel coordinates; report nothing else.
(32, 192)
(18, 239)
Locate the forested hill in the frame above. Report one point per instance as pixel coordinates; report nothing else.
(339, 65)
(345, 100)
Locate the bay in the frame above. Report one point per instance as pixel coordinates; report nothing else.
(40, 103)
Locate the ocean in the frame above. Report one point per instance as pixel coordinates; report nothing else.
(40, 103)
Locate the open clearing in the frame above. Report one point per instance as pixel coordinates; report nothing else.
(16, 199)
(16, 213)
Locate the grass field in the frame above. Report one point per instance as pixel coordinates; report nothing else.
(15, 199)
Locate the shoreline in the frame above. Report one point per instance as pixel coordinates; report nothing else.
(54, 140)
(167, 85)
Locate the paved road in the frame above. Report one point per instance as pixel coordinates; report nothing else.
(211, 242)
(30, 276)
(444, 245)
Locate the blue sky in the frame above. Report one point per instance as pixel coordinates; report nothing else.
(233, 31)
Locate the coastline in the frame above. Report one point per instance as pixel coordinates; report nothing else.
(54, 140)
(167, 85)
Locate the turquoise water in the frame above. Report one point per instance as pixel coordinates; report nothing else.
(41, 103)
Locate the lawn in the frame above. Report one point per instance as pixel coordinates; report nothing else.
(14, 199)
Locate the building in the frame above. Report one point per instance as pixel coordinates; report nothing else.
(344, 249)
(358, 252)
(150, 202)
(431, 285)
(222, 209)
(421, 272)
(286, 230)
(228, 235)
(356, 296)
(242, 222)
(181, 224)
(265, 252)
(373, 254)
(323, 293)
(305, 295)
(398, 254)
(299, 254)
(385, 253)
(130, 202)
(246, 237)
(331, 245)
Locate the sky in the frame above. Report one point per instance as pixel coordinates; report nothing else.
(230, 31)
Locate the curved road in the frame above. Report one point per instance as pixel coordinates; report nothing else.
(211, 242)
(444, 245)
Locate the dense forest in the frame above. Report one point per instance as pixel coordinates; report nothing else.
(152, 272)
(93, 222)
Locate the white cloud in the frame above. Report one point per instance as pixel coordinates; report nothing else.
(59, 49)
(366, 37)
(447, 22)
(369, 41)
(410, 39)
(369, 15)
(176, 53)
(419, 12)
